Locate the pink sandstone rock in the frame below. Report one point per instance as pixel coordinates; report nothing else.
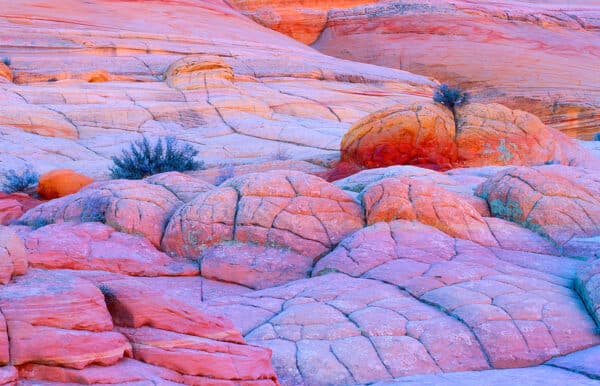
(125, 371)
(95, 246)
(336, 329)
(69, 348)
(419, 134)
(13, 256)
(135, 304)
(4, 343)
(517, 304)
(401, 198)
(428, 135)
(587, 284)
(286, 209)
(81, 108)
(12, 206)
(254, 266)
(136, 207)
(556, 201)
(448, 39)
(224, 172)
(55, 299)
(185, 187)
(197, 356)
(8, 375)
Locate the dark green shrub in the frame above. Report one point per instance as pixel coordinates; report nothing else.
(597, 136)
(38, 222)
(20, 181)
(6, 61)
(143, 159)
(450, 97)
(94, 209)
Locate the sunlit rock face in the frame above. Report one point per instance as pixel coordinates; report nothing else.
(346, 229)
(89, 78)
(532, 55)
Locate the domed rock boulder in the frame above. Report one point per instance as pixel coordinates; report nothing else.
(556, 201)
(130, 206)
(419, 134)
(428, 135)
(406, 199)
(195, 71)
(286, 209)
(493, 134)
(61, 182)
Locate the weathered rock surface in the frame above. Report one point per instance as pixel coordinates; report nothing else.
(556, 201)
(232, 89)
(12, 206)
(420, 134)
(136, 207)
(544, 53)
(496, 135)
(254, 266)
(426, 135)
(200, 357)
(95, 246)
(185, 187)
(403, 199)
(61, 182)
(286, 209)
(13, 257)
(587, 284)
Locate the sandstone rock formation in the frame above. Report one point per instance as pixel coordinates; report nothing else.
(256, 271)
(13, 206)
(588, 286)
(286, 209)
(400, 198)
(61, 182)
(136, 207)
(556, 201)
(531, 55)
(420, 134)
(232, 89)
(427, 135)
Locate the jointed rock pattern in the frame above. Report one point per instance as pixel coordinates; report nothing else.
(439, 246)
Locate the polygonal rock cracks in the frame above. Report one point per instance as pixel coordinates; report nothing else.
(556, 201)
(285, 209)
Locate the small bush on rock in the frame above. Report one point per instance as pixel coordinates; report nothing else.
(20, 181)
(94, 209)
(597, 136)
(450, 97)
(143, 159)
(6, 61)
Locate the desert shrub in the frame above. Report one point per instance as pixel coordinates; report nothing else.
(20, 181)
(6, 61)
(143, 159)
(38, 222)
(450, 97)
(226, 172)
(597, 136)
(94, 209)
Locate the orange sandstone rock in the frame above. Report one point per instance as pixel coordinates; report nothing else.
(418, 134)
(60, 183)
